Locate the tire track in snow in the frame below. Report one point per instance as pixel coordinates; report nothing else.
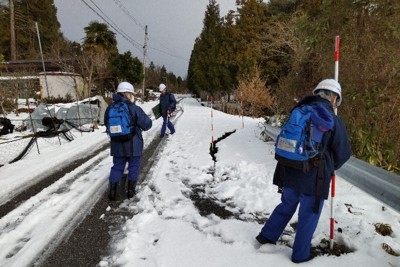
(50, 178)
(25, 235)
(91, 240)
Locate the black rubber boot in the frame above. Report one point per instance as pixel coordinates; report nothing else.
(262, 240)
(131, 189)
(112, 194)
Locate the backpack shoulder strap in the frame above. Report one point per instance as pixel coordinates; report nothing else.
(133, 117)
(321, 170)
(125, 106)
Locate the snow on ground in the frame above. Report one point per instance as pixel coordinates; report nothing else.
(166, 227)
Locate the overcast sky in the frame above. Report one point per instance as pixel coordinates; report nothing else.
(173, 26)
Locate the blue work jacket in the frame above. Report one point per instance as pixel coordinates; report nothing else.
(143, 123)
(337, 152)
(167, 103)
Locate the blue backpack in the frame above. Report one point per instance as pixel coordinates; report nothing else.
(120, 126)
(300, 138)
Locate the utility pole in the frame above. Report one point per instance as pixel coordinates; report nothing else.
(12, 32)
(144, 62)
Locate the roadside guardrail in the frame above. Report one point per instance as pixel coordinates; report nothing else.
(377, 182)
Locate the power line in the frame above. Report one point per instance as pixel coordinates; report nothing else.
(113, 25)
(136, 21)
(125, 10)
(135, 44)
(112, 22)
(169, 54)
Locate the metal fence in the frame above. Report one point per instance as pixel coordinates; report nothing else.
(379, 183)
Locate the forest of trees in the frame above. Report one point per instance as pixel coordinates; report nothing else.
(289, 46)
(97, 58)
(265, 53)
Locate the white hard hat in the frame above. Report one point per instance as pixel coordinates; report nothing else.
(330, 85)
(125, 87)
(162, 87)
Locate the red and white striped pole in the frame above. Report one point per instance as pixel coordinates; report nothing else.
(333, 183)
(212, 123)
(337, 41)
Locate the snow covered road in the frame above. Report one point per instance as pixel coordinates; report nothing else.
(191, 210)
(44, 220)
(34, 228)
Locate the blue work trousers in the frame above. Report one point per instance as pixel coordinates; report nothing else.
(306, 225)
(167, 123)
(119, 163)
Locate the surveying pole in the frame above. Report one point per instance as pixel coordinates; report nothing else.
(333, 182)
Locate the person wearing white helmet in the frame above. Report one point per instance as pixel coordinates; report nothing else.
(127, 151)
(167, 106)
(331, 90)
(127, 90)
(308, 188)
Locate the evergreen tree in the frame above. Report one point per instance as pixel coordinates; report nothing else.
(99, 46)
(100, 38)
(152, 76)
(292, 42)
(250, 24)
(163, 75)
(206, 69)
(195, 74)
(227, 53)
(156, 75)
(27, 12)
(304, 42)
(4, 31)
(124, 67)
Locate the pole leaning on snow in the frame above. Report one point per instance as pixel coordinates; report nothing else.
(43, 65)
(333, 183)
(45, 77)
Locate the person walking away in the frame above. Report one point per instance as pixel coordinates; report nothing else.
(126, 148)
(308, 188)
(167, 106)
